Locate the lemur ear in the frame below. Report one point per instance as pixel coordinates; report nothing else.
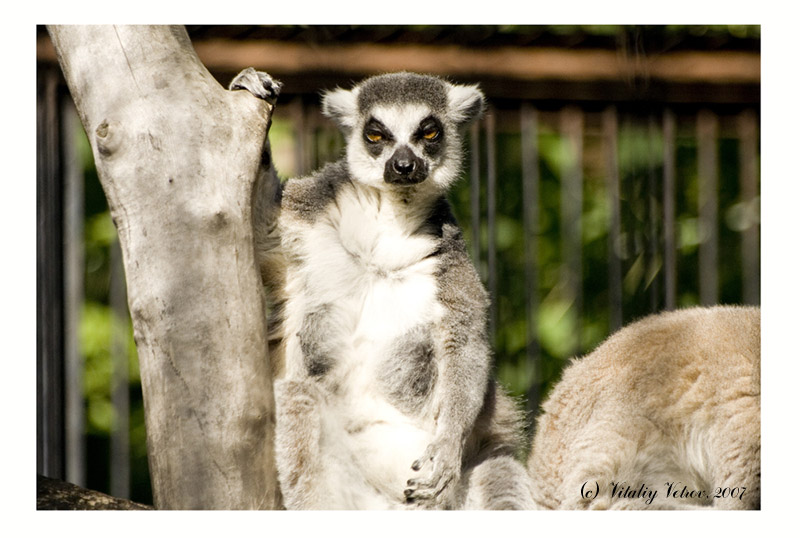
(466, 103)
(341, 106)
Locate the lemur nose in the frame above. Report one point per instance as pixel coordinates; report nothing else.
(404, 166)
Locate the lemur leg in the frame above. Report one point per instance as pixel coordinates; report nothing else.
(460, 344)
(316, 471)
(305, 472)
(500, 483)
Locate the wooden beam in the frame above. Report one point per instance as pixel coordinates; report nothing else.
(517, 63)
(507, 62)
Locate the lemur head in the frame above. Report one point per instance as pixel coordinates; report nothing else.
(403, 129)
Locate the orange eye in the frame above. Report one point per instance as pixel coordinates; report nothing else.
(433, 134)
(374, 136)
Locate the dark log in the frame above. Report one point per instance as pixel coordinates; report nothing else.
(54, 494)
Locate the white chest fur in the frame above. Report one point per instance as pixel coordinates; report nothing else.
(372, 276)
(365, 262)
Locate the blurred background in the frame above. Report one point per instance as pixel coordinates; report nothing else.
(615, 174)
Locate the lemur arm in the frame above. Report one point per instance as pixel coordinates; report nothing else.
(463, 357)
(267, 198)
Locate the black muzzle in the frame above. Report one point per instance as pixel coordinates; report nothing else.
(405, 168)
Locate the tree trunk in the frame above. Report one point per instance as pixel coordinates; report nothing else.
(177, 156)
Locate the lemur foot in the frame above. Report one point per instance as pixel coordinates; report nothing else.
(258, 83)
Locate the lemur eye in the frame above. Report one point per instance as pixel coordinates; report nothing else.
(431, 134)
(430, 129)
(374, 136)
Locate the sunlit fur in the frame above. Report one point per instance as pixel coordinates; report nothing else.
(672, 399)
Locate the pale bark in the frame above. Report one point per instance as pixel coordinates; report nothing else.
(177, 156)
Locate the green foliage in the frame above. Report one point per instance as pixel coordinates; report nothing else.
(97, 329)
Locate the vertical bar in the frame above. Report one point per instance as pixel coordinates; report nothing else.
(748, 181)
(75, 416)
(571, 211)
(120, 436)
(49, 282)
(610, 136)
(329, 147)
(653, 218)
(529, 145)
(670, 264)
(475, 192)
(336, 146)
(491, 212)
(301, 149)
(708, 172)
(312, 139)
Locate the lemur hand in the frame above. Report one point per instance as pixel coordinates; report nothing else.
(258, 83)
(440, 468)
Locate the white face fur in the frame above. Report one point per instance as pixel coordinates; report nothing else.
(401, 141)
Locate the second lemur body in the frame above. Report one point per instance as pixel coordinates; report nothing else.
(384, 392)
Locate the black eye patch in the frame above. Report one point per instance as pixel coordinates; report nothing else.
(376, 136)
(431, 133)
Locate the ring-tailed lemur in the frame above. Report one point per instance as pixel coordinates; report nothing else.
(384, 395)
(665, 414)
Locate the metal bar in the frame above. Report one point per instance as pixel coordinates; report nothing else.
(120, 437)
(301, 145)
(670, 250)
(708, 177)
(313, 138)
(49, 282)
(748, 180)
(653, 217)
(529, 146)
(610, 138)
(475, 192)
(74, 414)
(491, 217)
(571, 211)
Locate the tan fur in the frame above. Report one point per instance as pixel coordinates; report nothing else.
(674, 398)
